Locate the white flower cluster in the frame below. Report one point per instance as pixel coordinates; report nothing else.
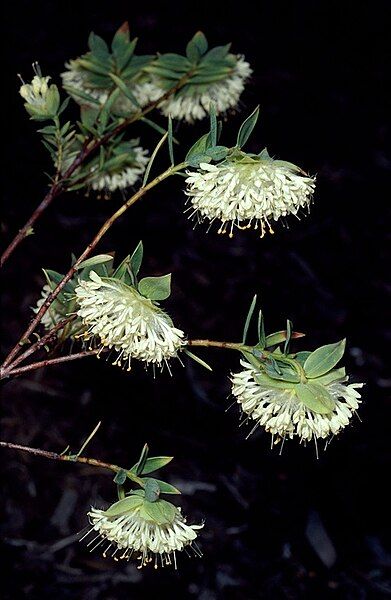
(119, 317)
(224, 94)
(246, 194)
(130, 534)
(35, 93)
(280, 412)
(122, 179)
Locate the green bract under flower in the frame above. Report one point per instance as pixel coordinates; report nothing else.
(315, 408)
(249, 192)
(149, 531)
(117, 316)
(42, 100)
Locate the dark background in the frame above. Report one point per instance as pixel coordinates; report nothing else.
(319, 75)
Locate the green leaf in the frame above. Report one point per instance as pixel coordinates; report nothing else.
(120, 40)
(288, 336)
(137, 258)
(95, 260)
(197, 47)
(160, 512)
(334, 375)
(301, 357)
(73, 91)
(153, 464)
(198, 148)
(89, 115)
(315, 397)
(197, 359)
(98, 47)
(156, 288)
(142, 460)
(247, 127)
(165, 488)
(264, 155)
(213, 125)
(323, 359)
(283, 372)
(120, 477)
(261, 331)
(123, 506)
(170, 141)
(216, 54)
(269, 382)
(151, 489)
(248, 318)
(217, 152)
(125, 90)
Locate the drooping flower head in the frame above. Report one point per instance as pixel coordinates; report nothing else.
(42, 100)
(118, 316)
(122, 172)
(314, 403)
(248, 191)
(151, 532)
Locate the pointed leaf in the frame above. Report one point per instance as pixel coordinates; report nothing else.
(165, 488)
(323, 359)
(156, 288)
(95, 260)
(334, 375)
(247, 127)
(137, 258)
(123, 506)
(153, 464)
(315, 397)
(197, 359)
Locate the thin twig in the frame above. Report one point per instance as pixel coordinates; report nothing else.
(59, 186)
(105, 227)
(216, 344)
(49, 362)
(72, 458)
(42, 341)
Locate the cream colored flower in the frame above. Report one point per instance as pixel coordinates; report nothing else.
(190, 104)
(119, 317)
(247, 193)
(280, 412)
(42, 100)
(124, 178)
(132, 534)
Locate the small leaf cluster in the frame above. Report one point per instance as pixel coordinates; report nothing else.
(110, 68)
(201, 67)
(306, 373)
(146, 499)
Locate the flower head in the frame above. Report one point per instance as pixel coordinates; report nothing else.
(192, 102)
(121, 177)
(119, 317)
(42, 100)
(150, 531)
(277, 408)
(248, 192)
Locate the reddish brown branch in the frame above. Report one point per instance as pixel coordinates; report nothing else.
(4, 373)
